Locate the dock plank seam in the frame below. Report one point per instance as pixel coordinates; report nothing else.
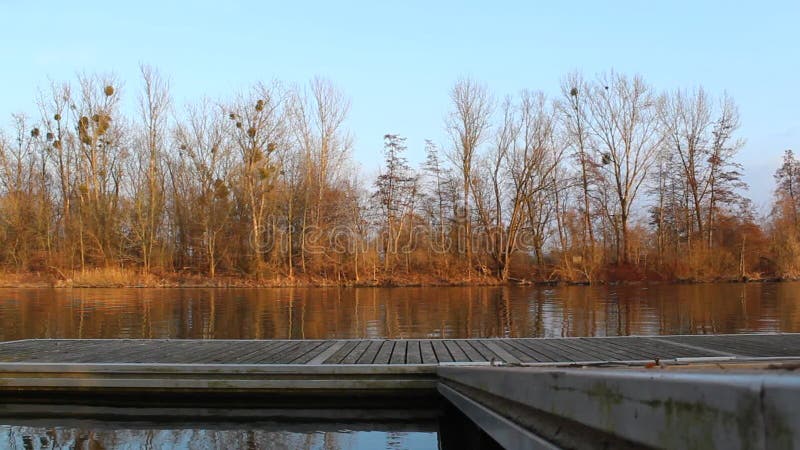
(504, 355)
(322, 357)
(695, 347)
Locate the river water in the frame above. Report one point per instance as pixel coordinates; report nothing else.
(447, 312)
(256, 435)
(435, 312)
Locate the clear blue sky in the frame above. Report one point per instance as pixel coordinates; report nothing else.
(397, 61)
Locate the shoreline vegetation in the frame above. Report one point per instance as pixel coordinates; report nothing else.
(608, 181)
(121, 278)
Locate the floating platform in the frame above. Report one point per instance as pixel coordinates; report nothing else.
(399, 352)
(352, 366)
(593, 392)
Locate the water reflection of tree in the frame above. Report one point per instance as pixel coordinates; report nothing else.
(29, 438)
(399, 313)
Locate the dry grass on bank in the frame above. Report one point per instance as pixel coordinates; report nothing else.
(109, 277)
(25, 280)
(115, 277)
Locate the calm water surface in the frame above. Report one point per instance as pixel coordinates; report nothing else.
(99, 435)
(359, 313)
(452, 312)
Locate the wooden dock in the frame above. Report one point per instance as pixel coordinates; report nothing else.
(400, 352)
(525, 393)
(361, 367)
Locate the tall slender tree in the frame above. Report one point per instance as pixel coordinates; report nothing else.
(468, 124)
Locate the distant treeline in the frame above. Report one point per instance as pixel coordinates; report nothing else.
(608, 180)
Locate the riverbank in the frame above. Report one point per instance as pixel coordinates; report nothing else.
(118, 278)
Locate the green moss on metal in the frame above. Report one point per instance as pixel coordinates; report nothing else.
(696, 418)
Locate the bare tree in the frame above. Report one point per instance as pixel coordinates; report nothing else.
(258, 129)
(317, 116)
(531, 167)
(100, 141)
(686, 121)
(575, 92)
(212, 190)
(62, 156)
(519, 173)
(203, 147)
(468, 124)
(489, 200)
(624, 125)
(24, 196)
(329, 109)
(147, 174)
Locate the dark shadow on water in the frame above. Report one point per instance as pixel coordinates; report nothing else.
(166, 428)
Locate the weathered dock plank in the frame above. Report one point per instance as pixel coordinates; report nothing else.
(413, 352)
(536, 353)
(766, 345)
(329, 365)
(332, 349)
(428, 355)
(562, 347)
(614, 353)
(398, 352)
(578, 344)
(442, 354)
(484, 351)
(368, 357)
(456, 352)
(500, 354)
(384, 353)
(470, 351)
(253, 352)
(355, 354)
